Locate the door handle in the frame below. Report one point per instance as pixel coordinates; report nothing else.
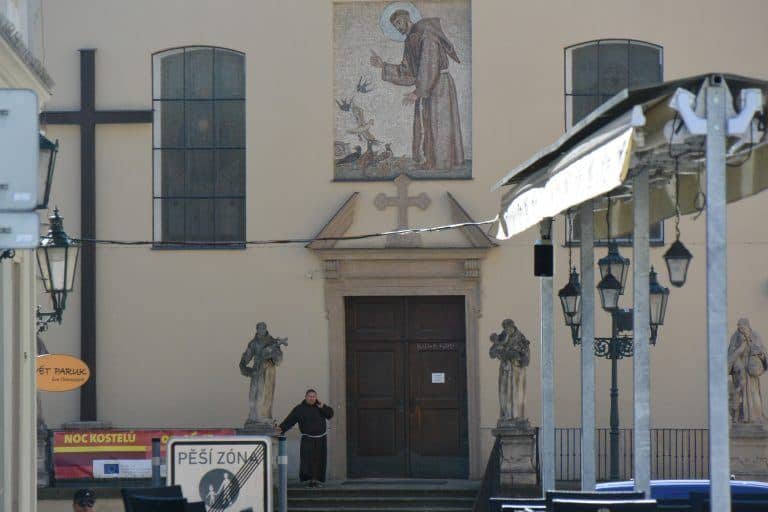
(418, 418)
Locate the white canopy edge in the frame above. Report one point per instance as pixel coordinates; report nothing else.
(595, 167)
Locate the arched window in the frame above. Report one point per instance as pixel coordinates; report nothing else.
(199, 145)
(594, 72)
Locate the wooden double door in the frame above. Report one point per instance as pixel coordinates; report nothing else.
(406, 387)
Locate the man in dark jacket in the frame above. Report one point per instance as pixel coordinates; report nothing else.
(311, 415)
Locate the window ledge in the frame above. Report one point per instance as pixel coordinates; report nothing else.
(234, 246)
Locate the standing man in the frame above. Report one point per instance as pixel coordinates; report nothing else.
(437, 142)
(84, 501)
(311, 415)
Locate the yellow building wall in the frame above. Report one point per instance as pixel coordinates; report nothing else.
(172, 324)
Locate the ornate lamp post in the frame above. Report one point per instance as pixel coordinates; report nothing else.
(621, 343)
(57, 258)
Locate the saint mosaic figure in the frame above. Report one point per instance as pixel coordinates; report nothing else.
(436, 142)
(266, 353)
(747, 361)
(513, 351)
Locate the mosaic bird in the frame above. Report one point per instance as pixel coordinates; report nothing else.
(363, 129)
(384, 155)
(345, 104)
(364, 85)
(366, 160)
(352, 157)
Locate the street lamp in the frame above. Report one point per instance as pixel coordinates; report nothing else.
(677, 257)
(610, 290)
(614, 263)
(57, 258)
(570, 300)
(51, 149)
(659, 295)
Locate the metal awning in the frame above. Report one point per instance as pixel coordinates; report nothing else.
(634, 130)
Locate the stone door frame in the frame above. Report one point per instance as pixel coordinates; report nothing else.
(399, 272)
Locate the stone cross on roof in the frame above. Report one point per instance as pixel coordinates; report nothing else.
(402, 201)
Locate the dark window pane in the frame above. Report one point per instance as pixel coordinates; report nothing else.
(229, 75)
(582, 106)
(200, 173)
(207, 88)
(199, 124)
(584, 70)
(199, 73)
(230, 123)
(573, 233)
(230, 172)
(173, 177)
(172, 76)
(199, 219)
(230, 220)
(613, 70)
(645, 65)
(169, 132)
(173, 220)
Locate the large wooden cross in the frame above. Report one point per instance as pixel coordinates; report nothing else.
(402, 201)
(87, 118)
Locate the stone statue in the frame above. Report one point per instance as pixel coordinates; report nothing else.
(513, 351)
(266, 354)
(747, 361)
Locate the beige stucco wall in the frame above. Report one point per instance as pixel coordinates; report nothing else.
(172, 324)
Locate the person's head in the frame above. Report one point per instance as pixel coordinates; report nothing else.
(743, 325)
(226, 476)
(310, 397)
(84, 501)
(508, 325)
(210, 487)
(401, 20)
(261, 329)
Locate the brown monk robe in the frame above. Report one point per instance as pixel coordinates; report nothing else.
(437, 142)
(311, 415)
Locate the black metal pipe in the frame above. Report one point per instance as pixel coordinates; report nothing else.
(156, 462)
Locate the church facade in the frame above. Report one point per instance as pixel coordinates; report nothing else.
(306, 125)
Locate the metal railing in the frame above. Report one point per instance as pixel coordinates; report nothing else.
(676, 453)
(491, 479)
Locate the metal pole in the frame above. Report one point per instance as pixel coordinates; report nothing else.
(547, 432)
(614, 433)
(156, 462)
(641, 333)
(717, 299)
(6, 337)
(587, 264)
(282, 463)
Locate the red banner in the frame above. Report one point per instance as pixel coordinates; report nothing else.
(82, 454)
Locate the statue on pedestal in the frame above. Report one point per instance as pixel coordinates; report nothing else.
(747, 361)
(266, 354)
(513, 351)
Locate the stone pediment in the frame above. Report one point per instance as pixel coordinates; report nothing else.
(338, 225)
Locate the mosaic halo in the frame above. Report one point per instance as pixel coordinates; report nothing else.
(387, 28)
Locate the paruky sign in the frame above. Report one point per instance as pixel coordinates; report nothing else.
(60, 372)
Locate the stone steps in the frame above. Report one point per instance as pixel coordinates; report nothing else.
(395, 497)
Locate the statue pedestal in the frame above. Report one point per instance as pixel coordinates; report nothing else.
(262, 428)
(518, 445)
(749, 451)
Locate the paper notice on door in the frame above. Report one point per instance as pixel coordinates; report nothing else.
(438, 378)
